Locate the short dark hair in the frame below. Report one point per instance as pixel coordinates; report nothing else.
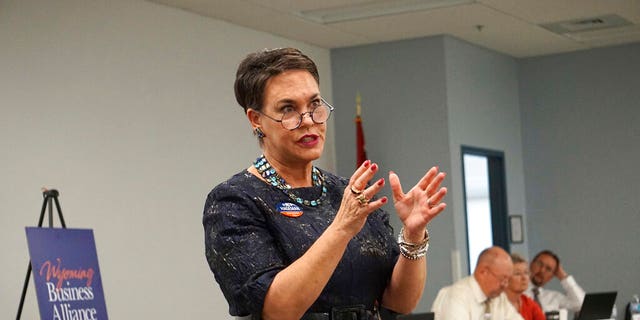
(549, 253)
(258, 67)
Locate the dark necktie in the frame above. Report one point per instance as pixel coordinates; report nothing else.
(487, 309)
(536, 298)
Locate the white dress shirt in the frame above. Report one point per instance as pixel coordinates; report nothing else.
(552, 300)
(464, 300)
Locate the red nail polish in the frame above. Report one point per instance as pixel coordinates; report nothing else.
(374, 167)
(381, 181)
(366, 163)
(384, 200)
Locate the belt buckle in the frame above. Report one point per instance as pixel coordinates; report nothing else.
(356, 312)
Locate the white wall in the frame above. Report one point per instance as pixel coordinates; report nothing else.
(483, 106)
(127, 108)
(581, 120)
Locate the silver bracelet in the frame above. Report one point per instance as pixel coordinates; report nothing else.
(413, 251)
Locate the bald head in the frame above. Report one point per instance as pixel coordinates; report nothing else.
(493, 271)
(492, 256)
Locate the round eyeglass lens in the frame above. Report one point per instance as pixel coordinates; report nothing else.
(321, 114)
(290, 120)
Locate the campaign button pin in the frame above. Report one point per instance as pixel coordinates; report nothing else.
(289, 209)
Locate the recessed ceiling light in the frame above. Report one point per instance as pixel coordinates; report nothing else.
(587, 24)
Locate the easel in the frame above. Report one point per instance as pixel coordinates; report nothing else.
(50, 196)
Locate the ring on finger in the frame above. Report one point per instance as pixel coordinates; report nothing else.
(355, 191)
(362, 199)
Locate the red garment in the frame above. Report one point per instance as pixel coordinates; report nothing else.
(361, 153)
(529, 309)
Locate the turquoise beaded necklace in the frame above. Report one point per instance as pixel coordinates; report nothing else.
(272, 177)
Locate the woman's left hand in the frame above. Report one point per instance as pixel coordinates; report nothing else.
(420, 204)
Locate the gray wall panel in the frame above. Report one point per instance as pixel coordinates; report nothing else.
(581, 118)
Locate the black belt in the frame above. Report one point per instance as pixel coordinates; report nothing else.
(337, 313)
(343, 313)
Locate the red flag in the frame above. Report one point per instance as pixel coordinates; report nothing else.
(361, 153)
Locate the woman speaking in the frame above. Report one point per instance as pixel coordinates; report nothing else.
(287, 240)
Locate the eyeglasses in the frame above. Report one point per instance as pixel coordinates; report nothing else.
(291, 119)
(521, 274)
(503, 280)
(545, 267)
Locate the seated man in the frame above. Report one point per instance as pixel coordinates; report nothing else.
(479, 296)
(544, 266)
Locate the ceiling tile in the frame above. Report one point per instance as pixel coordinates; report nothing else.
(509, 26)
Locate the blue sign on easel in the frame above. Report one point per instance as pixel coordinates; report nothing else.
(66, 274)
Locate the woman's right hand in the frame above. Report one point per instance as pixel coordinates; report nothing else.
(356, 205)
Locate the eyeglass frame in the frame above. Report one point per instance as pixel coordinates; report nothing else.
(504, 281)
(526, 273)
(544, 267)
(301, 118)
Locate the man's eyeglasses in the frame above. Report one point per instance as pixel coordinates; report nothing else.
(503, 280)
(545, 267)
(291, 119)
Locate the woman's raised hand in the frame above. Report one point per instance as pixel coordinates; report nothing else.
(420, 204)
(356, 201)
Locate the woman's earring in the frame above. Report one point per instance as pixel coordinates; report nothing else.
(258, 133)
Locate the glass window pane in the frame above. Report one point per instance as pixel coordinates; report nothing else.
(476, 181)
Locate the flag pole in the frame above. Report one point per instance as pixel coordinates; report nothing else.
(361, 153)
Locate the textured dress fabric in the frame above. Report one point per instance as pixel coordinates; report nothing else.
(250, 235)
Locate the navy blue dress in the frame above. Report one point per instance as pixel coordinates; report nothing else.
(248, 241)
